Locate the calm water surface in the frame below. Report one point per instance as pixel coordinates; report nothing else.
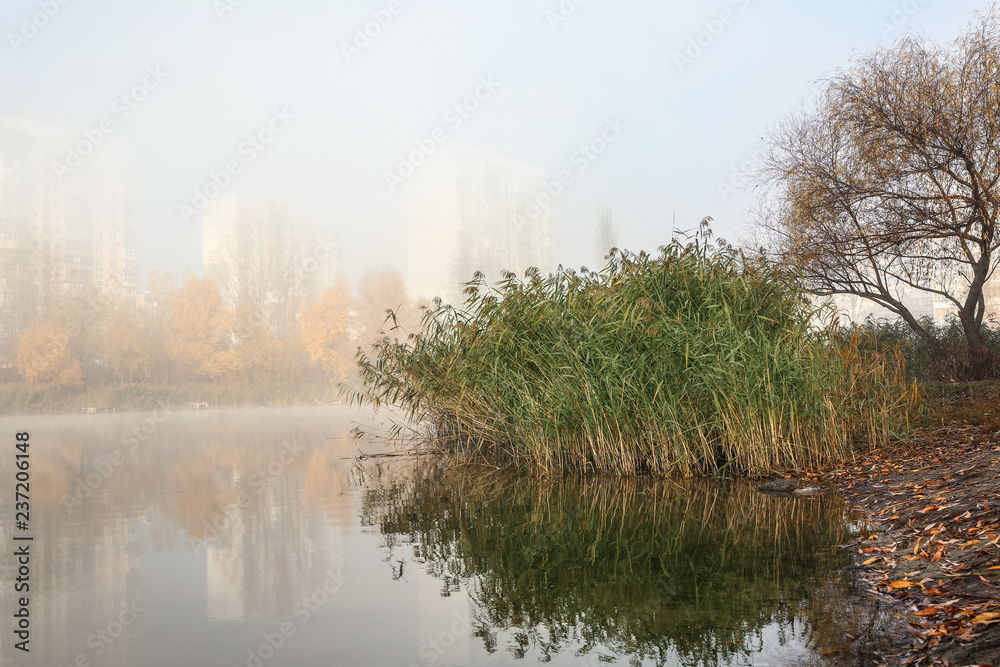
(251, 537)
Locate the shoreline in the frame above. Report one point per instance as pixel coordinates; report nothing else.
(19, 400)
(933, 556)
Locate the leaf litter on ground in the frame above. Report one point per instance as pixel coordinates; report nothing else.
(932, 503)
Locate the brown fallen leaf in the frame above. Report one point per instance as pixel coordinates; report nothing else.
(930, 508)
(872, 560)
(902, 583)
(970, 543)
(987, 617)
(927, 612)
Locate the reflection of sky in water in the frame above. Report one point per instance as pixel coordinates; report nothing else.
(292, 565)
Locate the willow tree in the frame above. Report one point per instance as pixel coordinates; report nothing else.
(890, 182)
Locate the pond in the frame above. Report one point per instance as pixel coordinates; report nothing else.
(255, 537)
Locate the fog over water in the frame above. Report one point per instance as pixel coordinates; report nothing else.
(693, 85)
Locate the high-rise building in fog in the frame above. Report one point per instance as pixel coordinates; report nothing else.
(67, 219)
(472, 209)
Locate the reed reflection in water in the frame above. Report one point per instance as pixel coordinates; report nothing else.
(652, 571)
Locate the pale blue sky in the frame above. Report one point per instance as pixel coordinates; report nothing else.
(687, 128)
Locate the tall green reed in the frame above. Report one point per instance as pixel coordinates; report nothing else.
(691, 361)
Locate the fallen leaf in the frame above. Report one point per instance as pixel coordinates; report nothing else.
(986, 617)
(902, 583)
(872, 560)
(930, 508)
(970, 543)
(927, 612)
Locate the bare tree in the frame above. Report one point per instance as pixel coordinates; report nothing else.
(891, 182)
(254, 264)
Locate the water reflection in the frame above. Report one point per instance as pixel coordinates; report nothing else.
(194, 546)
(240, 503)
(694, 572)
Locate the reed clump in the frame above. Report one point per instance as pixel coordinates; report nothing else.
(692, 361)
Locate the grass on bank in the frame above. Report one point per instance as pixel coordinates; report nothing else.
(692, 361)
(921, 364)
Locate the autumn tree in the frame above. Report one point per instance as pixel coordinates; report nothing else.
(152, 317)
(196, 328)
(890, 184)
(44, 356)
(256, 350)
(325, 331)
(161, 287)
(129, 350)
(84, 316)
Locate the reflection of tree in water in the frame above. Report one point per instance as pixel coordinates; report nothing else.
(640, 568)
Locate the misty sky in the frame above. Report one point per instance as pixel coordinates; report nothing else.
(227, 66)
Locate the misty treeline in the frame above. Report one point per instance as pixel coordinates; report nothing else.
(187, 331)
